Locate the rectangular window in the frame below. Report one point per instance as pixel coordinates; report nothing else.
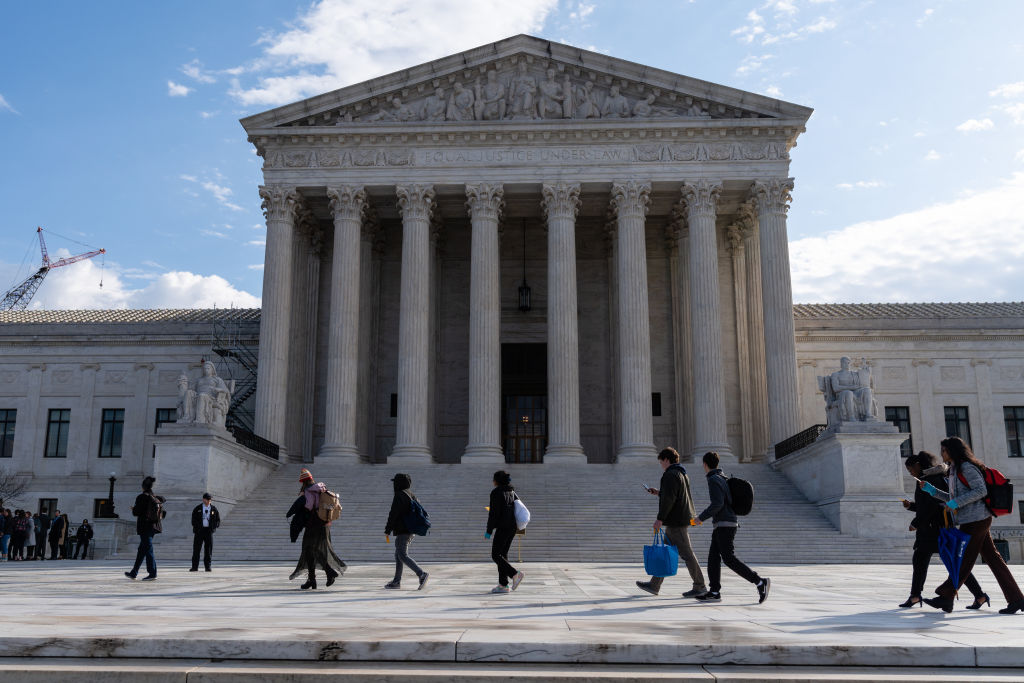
(99, 508)
(165, 416)
(7, 419)
(48, 507)
(1013, 416)
(900, 417)
(57, 433)
(111, 432)
(957, 423)
(394, 405)
(656, 404)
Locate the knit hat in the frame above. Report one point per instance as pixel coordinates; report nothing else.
(304, 475)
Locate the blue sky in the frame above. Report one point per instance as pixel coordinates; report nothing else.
(119, 124)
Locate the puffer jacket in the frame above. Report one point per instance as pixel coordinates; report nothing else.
(970, 497)
(720, 509)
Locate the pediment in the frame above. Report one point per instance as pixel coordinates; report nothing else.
(525, 79)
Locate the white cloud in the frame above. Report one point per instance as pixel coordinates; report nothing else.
(932, 155)
(177, 90)
(208, 114)
(1019, 156)
(6, 106)
(919, 134)
(953, 251)
(1008, 90)
(752, 63)
(925, 17)
(77, 286)
(975, 125)
(820, 25)
(340, 42)
(256, 266)
(257, 243)
(861, 185)
(582, 11)
(220, 192)
(773, 91)
(213, 233)
(750, 30)
(196, 72)
(783, 27)
(1015, 110)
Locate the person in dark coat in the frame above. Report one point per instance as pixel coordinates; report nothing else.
(317, 550)
(501, 520)
(400, 507)
(928, 519)
(205, 520)
(44, 528)
(58, 534)
(84, 536)
(149, 515)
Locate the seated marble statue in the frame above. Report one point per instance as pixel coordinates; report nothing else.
(849, 396)
(207, 400)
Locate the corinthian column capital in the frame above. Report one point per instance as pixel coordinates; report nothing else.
(415, 201)
(772, 195)
(701, 196)
(560, 200)
(631, 198)
(347, 202)
(280, 202)
(485, 200)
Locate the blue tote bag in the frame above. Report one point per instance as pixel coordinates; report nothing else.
(661, 559)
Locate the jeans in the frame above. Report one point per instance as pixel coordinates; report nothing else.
(41, 545)
(500, 544)
(981, 543)
(5, 542)
(722, 551)
(402, 558)
(145, 551)
(922, 558)
(679, 536)
(203, 539)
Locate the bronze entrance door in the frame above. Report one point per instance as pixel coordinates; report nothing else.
(524, 422)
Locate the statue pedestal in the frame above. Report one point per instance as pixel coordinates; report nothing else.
(114, 537)
(854, 474)
(195, 459)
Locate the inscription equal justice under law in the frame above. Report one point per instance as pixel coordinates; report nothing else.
(524, 156)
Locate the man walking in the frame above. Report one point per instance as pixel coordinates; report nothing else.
(149, 514)
(675, 510)
(84, 535)
(721, 513)
(205, 520)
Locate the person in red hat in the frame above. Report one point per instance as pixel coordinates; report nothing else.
(317, 550)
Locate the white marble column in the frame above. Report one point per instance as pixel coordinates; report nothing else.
(932, 429)
(636, 429)
(677, 239)
(992, 444)
(348, 204)
(299, 368)
(737, 248)
(561, 202)
(485, 204)
(311, 283)
(701, 198)
(411, 444)
(368, 285)
(771, 198)
(755, 333)
(279, 205)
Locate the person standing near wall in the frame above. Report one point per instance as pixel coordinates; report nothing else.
(205, 520)
(84, 536)
(58, 534)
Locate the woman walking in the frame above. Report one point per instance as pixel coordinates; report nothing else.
(316, 539)
(501, 520)
(400, 506)
(927, 522)
(966, 491)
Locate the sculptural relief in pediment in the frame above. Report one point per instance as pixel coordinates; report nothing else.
(525, 89)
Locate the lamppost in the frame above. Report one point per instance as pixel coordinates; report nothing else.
(110, 496)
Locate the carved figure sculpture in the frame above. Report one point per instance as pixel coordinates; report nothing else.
(849, 396)
(460, 106)
(435, 106)
(523, 94)
(552, 98)
(490, 98)
(643, 108)
(616, 106)
(584, 103)
(207, 400)
(399, 112)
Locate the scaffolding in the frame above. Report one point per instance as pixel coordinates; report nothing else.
(237, 352)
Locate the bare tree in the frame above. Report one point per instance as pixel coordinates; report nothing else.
(11, 487)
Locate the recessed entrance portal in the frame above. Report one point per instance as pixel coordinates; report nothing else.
(525, 401)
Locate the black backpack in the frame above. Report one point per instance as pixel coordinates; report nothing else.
(417, 521)
(741, 495)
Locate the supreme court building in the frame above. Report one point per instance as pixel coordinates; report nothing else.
(527, 251)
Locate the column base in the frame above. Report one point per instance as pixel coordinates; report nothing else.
(635, 452)
(723, 449)
(483, 454)
(337, 453)
(557, 454)
(411, 454)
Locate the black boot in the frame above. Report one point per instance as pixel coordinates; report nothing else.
(310, 583)
(944, 604)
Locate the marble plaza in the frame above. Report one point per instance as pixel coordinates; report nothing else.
(563, 613)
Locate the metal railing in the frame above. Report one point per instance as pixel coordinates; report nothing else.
(256, 443)
(798, 441)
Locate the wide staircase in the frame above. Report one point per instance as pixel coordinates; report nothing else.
(587, 513)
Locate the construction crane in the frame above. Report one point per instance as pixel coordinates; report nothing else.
(18, 298)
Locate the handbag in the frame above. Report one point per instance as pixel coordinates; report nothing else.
(660, 558)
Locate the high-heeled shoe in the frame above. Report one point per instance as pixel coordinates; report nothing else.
(979, 601)
(311, 583)
(912, 601)
(944, 604)
(1013, 608)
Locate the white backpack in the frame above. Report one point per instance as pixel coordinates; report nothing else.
(522, 514)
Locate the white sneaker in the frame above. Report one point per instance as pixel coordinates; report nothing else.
(500, 589)
(516, 580)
